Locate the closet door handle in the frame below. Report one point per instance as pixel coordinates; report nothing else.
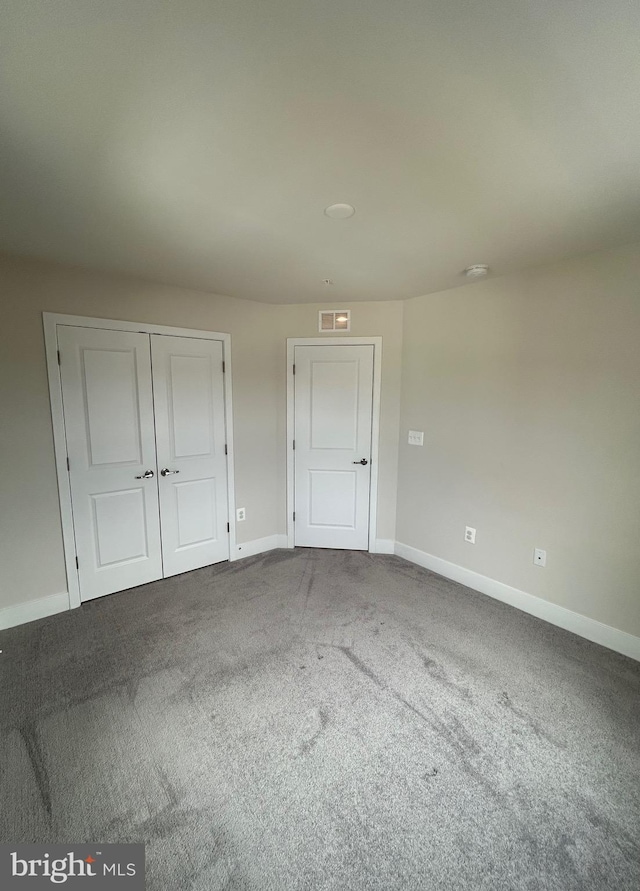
(362, 461)
(146, 475)
(166, 472)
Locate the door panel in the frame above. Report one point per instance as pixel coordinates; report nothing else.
(333, 416)
(120, 526)
(196, 509)
(191, 409)
(108, 408)
(190, 435)
(113, 418)
(334, 393)
(332, 498)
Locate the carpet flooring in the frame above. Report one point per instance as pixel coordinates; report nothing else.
(324, 720)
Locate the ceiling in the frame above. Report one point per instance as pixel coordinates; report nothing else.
(198, 143)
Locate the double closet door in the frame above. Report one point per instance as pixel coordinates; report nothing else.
(145, 432)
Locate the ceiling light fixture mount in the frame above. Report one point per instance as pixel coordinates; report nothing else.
(339, 211)
(478, 270)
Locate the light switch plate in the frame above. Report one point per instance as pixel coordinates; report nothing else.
(416, 437)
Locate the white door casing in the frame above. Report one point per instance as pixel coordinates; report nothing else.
(190, 437)
(108, 408)
(333, 411)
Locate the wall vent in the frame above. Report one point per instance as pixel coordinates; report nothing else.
(334, 320)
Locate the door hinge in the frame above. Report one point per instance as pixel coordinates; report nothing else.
(59, 362)
(68, 464)
(224, 366)
(294, 445)
(77, 563)
(294, 369)
(225, 449)
(294, 516)
(228, 527)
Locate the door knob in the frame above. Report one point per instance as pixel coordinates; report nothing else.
(146, 475)
(361, 461)
(166, 472)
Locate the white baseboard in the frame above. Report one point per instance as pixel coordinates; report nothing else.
(20, 613)
(258, 546)
(384, 546)
(605, 635)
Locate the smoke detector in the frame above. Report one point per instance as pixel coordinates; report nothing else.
(476, 271)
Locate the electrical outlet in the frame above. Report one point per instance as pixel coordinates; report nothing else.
(416, 437)
(539, 557)
(470, 534)
(240, 515)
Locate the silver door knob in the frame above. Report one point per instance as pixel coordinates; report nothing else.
(361, 461)
(146, 475)
(166, 472)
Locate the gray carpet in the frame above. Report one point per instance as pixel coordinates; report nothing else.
(324, 720)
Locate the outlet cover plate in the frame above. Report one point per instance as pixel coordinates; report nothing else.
(416, 437)
(470, 534)
(539, 557)
(240, 514)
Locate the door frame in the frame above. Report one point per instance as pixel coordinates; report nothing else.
(376, 343)
(50, 323)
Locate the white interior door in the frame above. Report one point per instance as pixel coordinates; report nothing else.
(108, 408)
(190, 435)
(333, 406)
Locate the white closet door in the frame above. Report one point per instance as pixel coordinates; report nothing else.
(333, 418)
(108, 410)
(190, 435)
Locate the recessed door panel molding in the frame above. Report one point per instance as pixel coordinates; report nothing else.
(334, 393)
(113, 412)
(191, 421)
(144, 450)
(119, 526)
(112, 461)
(333, 498)
(196, 510)
(333, 431)
(190, 436)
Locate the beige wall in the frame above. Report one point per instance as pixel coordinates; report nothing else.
(528, 390)
(30, 542)
(31, 553)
